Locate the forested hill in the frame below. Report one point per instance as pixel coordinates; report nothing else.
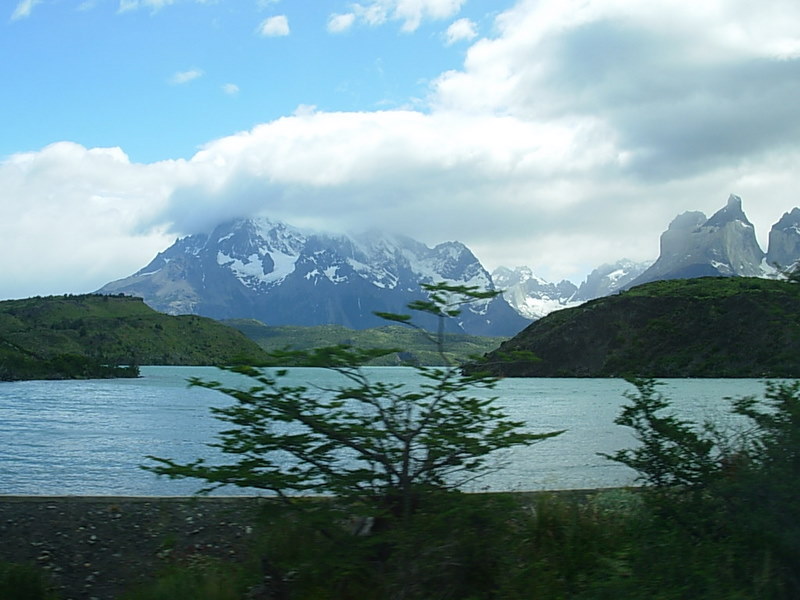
(87, 335)
(706, 327)
(417, 348)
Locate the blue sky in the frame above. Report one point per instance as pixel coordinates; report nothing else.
(162, 80)
(558, 134)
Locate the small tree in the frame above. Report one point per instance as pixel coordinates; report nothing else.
(671, 452)
(378, 446)
(734, 492)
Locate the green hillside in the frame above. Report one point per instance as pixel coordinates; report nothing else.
(87, 335)
(707, 327)
(417, 349)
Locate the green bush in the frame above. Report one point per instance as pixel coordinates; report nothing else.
(199, 578)
(724, 507)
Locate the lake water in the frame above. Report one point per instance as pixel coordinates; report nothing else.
(90, 437)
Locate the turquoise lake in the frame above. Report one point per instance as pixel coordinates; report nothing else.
(90, 437)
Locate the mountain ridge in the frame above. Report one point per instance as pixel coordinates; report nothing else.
(692, 246)
(281, 275)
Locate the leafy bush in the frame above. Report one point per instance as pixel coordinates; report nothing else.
(725, 506)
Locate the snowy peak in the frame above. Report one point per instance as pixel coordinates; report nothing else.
(530, 295)
(534, 297)
(258, 252)
(608, 279)
(273, 272)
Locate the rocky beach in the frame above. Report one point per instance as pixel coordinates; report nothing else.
(98, 547)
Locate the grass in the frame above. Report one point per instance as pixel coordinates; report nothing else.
(606, 545)
(23, 582)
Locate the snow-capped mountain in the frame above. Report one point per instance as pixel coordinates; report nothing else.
(271, 271)
(278, 274)
(693, 246)
(533, 297)
(608, 279)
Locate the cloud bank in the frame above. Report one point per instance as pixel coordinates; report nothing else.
(570, 138)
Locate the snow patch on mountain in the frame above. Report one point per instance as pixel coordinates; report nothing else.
(534, 297)
(268, 270)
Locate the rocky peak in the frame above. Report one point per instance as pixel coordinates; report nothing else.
(693, 246)
(784, 241)
(610, 278)
(530, 295)
(732, 212)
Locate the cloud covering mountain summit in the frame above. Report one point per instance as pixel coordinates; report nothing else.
(270, 271)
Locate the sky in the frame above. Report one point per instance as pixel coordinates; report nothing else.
(557, 134)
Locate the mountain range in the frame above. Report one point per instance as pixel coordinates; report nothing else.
(692, 246)
(282, 275)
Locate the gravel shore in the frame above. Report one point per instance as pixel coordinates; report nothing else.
(98, 547)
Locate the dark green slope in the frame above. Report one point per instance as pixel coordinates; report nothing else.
(707, 327)
(416, 348)
(74, 336)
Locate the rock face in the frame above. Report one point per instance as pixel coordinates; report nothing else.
(693, 246)
(608, 279)
(270, 271)
(784, 241)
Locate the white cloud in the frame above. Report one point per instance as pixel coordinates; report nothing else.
(274, 26)
(706, 91)
(571, 138)
(73, 216)
(23, 9)
(337, 23)
(231, 89)
(154, 5)
(182, 77)
(461, 30)
(410, 12)
(127, 5)
(303, 110)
